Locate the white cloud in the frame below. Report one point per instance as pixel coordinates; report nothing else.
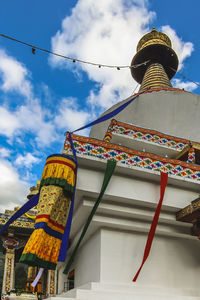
(29, 118)
(34, 118)
(188, 86)
(13, 190)
(9, 123)
(69, 116)
(27, 160)
(4, 152)
(182, 49)
(14, 75)
(106, 32)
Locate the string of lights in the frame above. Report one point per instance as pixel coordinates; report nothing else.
(33, 47)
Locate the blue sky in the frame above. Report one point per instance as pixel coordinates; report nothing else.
(42, 96)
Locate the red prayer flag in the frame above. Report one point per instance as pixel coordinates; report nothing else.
(164, 177)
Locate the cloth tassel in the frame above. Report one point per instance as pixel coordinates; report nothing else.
(108, 174)
(43, 247)
(164, 177)
(37, 278)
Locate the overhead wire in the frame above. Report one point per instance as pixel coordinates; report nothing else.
(135, 88)
(33, 47)
(185, 77)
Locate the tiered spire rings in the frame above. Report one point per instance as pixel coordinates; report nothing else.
(154, 47)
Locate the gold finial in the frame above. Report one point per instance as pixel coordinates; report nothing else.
(154, 37)
(156, 61)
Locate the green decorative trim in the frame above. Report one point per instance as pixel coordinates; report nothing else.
(33, 260)
(59, 182)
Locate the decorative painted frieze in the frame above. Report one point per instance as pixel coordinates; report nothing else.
(20, 222)
(145, 135)
(25, 221)
(104, 150)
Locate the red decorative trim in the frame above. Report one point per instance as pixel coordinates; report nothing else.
(128, 150)
(60, 162)
(50, 221)
(141, 129)
(43, 216)
(160, 89)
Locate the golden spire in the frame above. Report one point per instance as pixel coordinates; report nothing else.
(152, 38)
(158, 59)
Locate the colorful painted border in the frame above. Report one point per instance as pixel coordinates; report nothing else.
(103, 150)
(146, 135)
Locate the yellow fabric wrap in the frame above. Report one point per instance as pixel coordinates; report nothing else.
(59, 170)
(43, 246)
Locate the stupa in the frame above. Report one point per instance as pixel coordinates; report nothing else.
(154, 143)
(157, 132)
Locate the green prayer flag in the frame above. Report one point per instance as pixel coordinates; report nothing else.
(107, 176)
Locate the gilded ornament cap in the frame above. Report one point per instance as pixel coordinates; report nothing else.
(154, 37)
(34, 190)
(154, 48)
